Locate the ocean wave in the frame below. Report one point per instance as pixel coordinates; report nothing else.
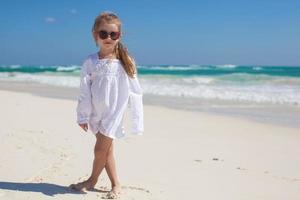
(173, 70)
(259, 79)
(38, 68)
(68, 68)
(64, 81)
(266, 90)
(174, 67)
(198, 80)
(226, 66)
(254, 94)
(15, 66)
(257, 68)
(230, 87)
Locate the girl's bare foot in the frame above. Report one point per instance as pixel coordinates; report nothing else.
(85, 185)
(114, 193)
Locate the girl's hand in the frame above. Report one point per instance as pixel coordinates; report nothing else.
(84, 126)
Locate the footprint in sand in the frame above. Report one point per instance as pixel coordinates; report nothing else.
(136, 188)
(134, 193)
(217, 159)
(287, 178)
(38, 179)
(214, 159)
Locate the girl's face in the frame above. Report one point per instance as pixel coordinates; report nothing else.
(107, 36)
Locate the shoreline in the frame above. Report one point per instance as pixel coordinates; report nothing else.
(288, 116)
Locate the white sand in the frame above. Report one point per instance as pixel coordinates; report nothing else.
(182, 155)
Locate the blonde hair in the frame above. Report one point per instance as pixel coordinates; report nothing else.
(120, 50)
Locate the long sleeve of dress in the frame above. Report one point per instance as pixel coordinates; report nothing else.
(84, 106)
(136, 106)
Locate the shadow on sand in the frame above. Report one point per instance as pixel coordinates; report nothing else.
(45, 188)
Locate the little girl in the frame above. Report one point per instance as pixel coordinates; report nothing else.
(108, 86)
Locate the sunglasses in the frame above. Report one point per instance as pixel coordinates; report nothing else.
(113, 35)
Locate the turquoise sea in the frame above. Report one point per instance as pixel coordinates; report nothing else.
(277, 85)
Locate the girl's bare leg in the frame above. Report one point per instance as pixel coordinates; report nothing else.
(101, 150)
(110, 168)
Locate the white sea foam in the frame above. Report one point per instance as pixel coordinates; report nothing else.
(212, 90)
(68, 68)
(198, 80)
(65, 81)
(172, 67)
(257, 68)
(207, 88)
(228, 66)
(15, 66)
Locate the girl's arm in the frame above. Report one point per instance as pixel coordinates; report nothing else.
(84, 106)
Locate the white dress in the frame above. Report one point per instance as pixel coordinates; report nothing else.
(105, 92)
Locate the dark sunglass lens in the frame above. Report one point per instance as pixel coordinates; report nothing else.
(103, 35)
(114, 35)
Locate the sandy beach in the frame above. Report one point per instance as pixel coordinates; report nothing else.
(182, 154)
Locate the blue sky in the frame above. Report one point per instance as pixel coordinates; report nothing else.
(259, 32)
